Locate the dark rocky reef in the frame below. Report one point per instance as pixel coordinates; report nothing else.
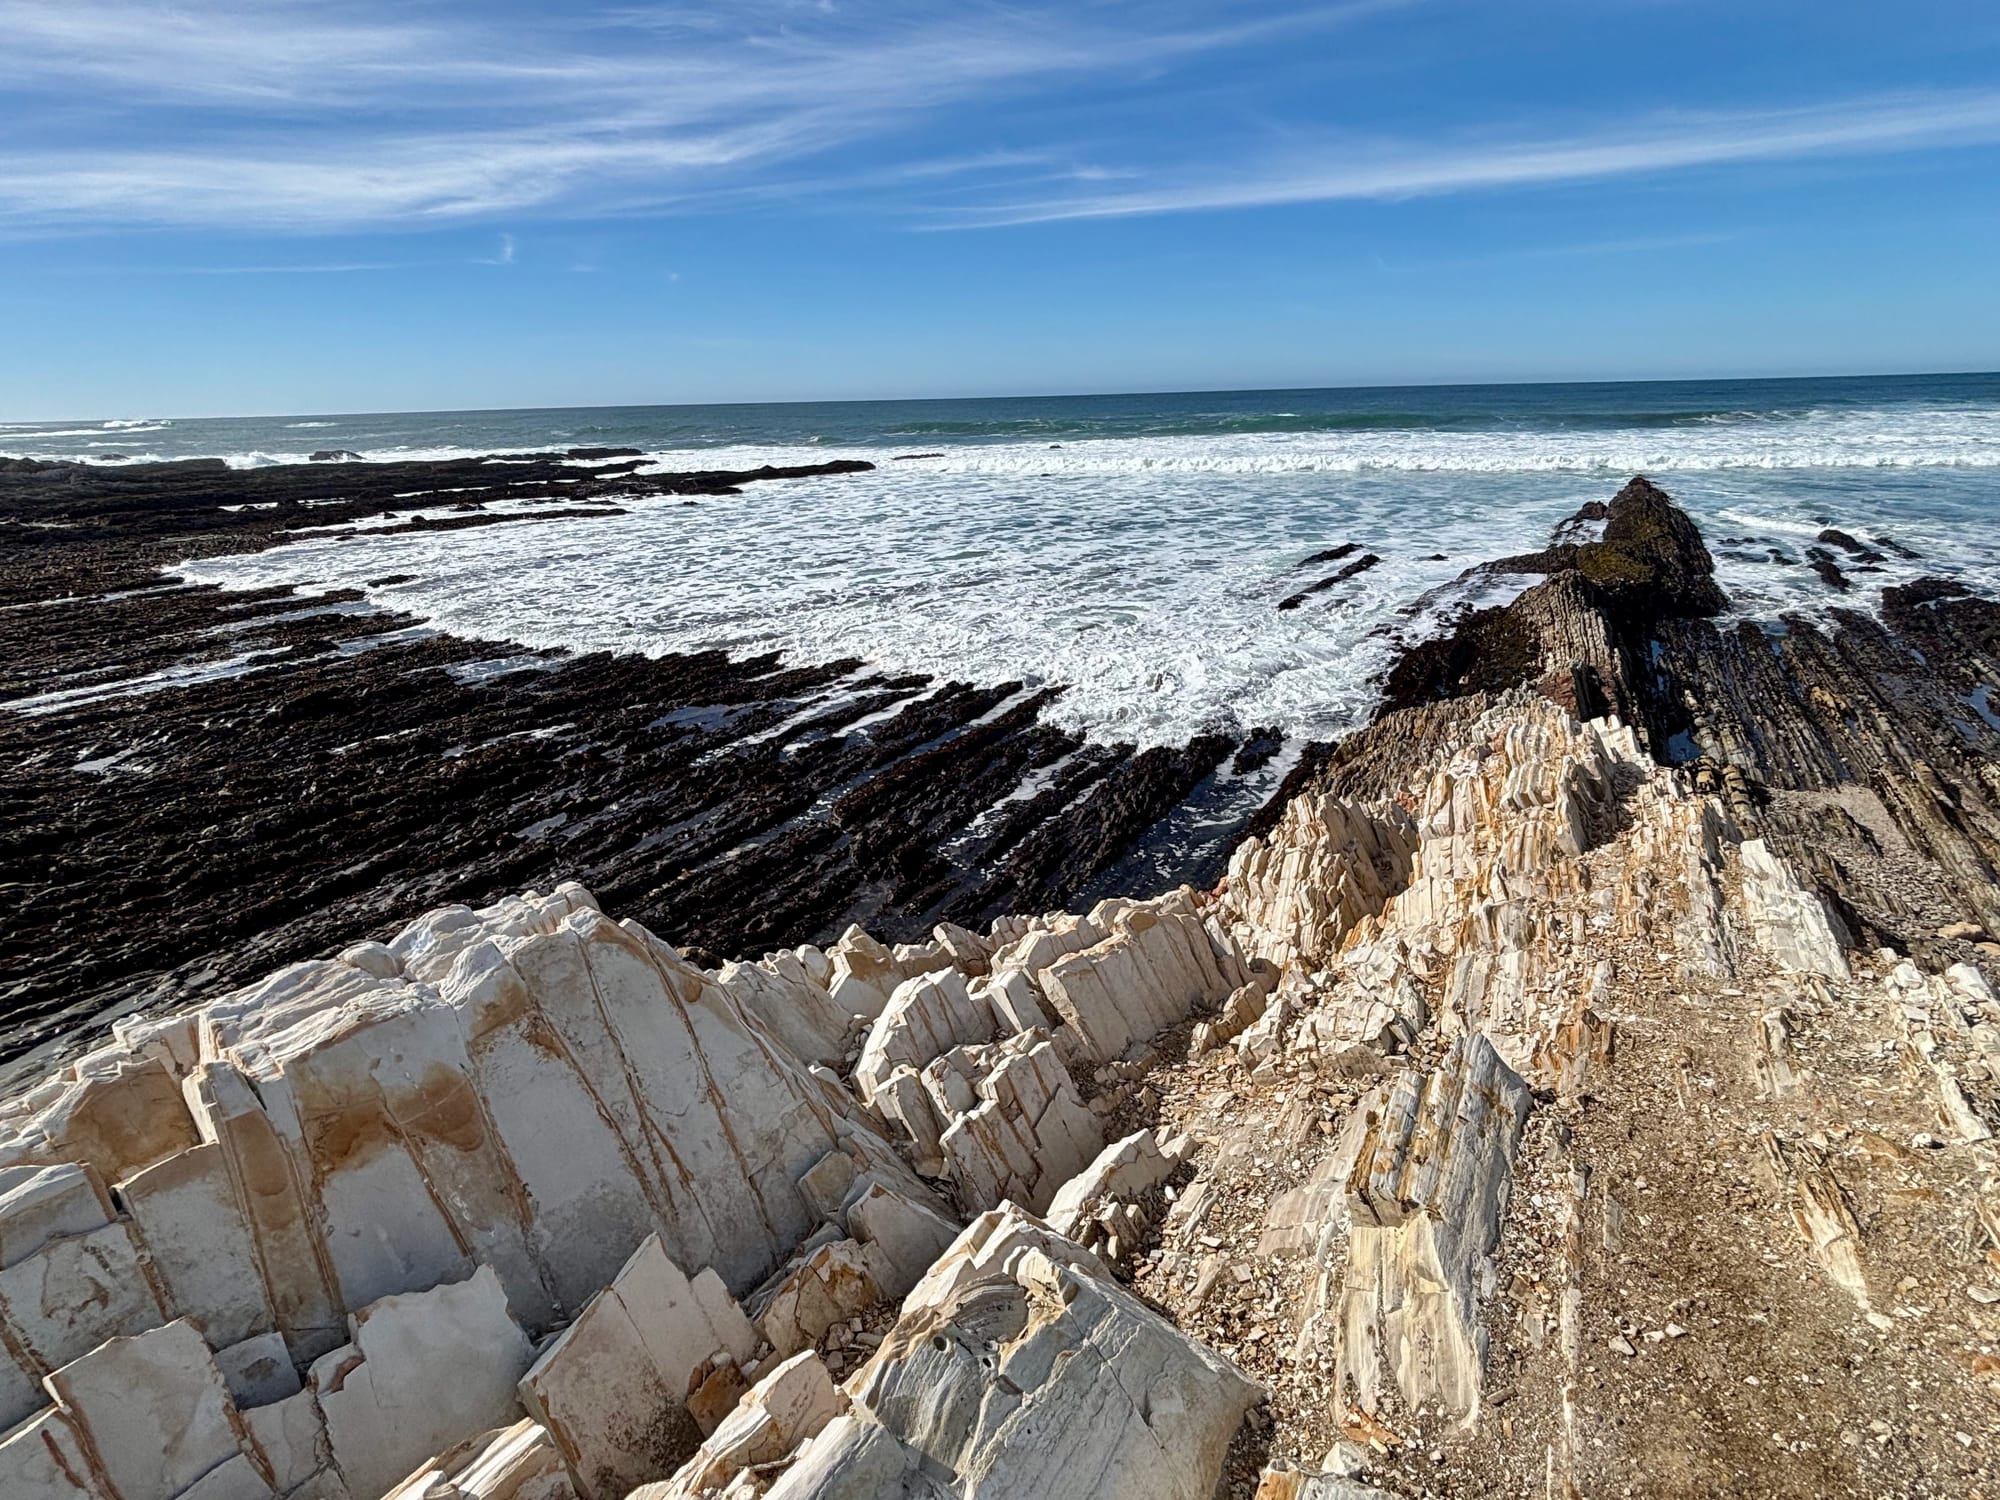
(322, 767)
(1580, 634)
(1649, 562)
(1867, 754)
(71, 527)
(1354, 569)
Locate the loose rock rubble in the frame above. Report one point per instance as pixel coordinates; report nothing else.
(1510, 1120)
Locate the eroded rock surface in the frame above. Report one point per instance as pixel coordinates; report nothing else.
(1522, 1113)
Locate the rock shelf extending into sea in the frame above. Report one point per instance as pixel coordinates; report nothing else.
(1582, 1080)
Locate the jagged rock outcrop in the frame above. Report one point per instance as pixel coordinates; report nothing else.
(377, 1169)
(1512, 1085)
(615, 1390)
(1327, 865)
(1019, 1366)
(345, 1200)
(1432, 1174)
(1016, 1366)
(784, 1411)
(510, 1463)
(971, 1071)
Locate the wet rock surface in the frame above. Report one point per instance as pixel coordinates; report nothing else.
(205, 784)
(1333, 580)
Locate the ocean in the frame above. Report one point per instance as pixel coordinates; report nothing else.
(1135, 548)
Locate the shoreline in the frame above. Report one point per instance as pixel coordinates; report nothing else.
(1579, 1060)
(344, 763)
(746, 803)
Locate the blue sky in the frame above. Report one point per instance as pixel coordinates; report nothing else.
(295, 207)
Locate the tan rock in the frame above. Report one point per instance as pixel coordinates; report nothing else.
(509, 1463)
(612, 1390)
(1426, 1195)
(783, 1410)
(157, 1413)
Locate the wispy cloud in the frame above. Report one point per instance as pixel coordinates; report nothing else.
(317, 117)
(1387, 170)
(329, 115)
(221, 51)
(323, 268)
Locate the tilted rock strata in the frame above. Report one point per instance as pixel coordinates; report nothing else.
(523, 1205)
(637, 1198)
(339, 1190)
(1019, 1366)
(1425, 1198)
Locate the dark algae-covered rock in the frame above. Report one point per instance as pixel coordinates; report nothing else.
(1864, 750)
(354, 769)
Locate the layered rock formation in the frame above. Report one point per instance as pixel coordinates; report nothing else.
(1517, 1115)
(348, 767)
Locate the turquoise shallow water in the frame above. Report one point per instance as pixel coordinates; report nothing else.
(1135, 547)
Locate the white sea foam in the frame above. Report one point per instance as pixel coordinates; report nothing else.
(1913, 436)
(1148, 589)
(1143, 573)
(1921, 439)
(29, 433)
(1845, 441)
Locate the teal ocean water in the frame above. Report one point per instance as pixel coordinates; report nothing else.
(1135, 547)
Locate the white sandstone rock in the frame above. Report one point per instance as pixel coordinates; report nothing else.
(852, 1459)
(258, 1371)
(43, 1458)
(1027, 1132)
(65, 1300)
(42, 1203)
(424, 1370)
(864, 974)
(235, 1478)
(200, 1243)
(786, 998)
(291, 1434)
(782, 1411)
(1324, 867)
(1158, 963)
(1427, 1193)
(113, 1111)
(925, 1017)
(612, 1389)
(1789, 920)
(907, 1235)
(1021, 1368)
(157, 1413)
(510, 1463)
(1122, 1172)
(827, 1284)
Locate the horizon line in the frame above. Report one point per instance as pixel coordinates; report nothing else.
(1077, 395)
